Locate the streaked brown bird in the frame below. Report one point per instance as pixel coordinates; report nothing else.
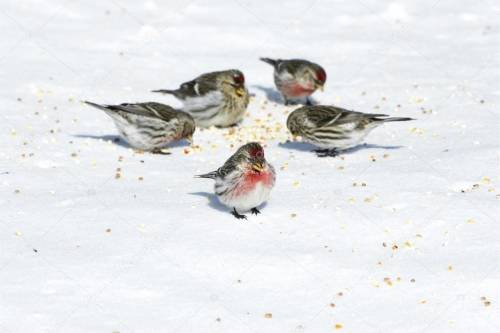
(214, 99)
(149, 126)
(332, 128)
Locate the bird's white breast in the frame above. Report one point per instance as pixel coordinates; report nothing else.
(202, 102)
(248, 200)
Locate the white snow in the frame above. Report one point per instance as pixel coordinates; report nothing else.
(401, 235)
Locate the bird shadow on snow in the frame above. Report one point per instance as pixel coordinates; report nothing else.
(303, 146)
(122, 143)
(274, 96)
(369, 146)
(212, 201)
(113, 138)
(271, 94)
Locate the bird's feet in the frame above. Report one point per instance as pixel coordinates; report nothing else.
(255, 211)
(238, 215)
(326, 152)
(159, 151)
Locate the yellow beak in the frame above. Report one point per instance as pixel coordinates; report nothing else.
(257, 167)
(240, 91)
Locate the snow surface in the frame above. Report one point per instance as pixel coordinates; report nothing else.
(414, 249)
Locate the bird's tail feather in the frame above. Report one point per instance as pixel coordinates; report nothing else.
(396, 119)
(165, 91)
(270, 61)
(98, 106)
(210, 175)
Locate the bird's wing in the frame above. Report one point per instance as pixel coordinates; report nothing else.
(148, 109)
(229, 166)
(321, 116)
(232, 164)
(198, 87)
(324, 116)
(226, 169)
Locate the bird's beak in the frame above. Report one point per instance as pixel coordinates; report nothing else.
(319, 85)
(240, 91)
(257, 167)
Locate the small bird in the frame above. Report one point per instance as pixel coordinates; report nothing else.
(217, 98)
(149, 126)
(297, 79)
(245, 181)
(332, 128)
